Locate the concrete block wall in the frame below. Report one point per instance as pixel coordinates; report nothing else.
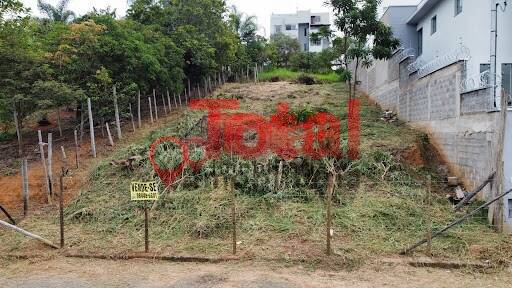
(474, 101)
(464, 136)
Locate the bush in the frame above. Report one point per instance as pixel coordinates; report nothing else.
(306, 79)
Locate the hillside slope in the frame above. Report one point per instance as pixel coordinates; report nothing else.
(378, 208)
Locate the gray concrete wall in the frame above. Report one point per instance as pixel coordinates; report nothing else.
(507, 158)
(462, 130)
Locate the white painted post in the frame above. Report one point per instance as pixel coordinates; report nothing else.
(110, 140)
(131, 116)
(50, 162)
(150, 109)
(155, 106)
(138, 110)
(118, 122)
(43, 162)
(91, 128)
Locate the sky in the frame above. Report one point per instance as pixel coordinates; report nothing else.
(262, 9)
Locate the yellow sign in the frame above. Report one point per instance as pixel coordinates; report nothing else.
(143, 191)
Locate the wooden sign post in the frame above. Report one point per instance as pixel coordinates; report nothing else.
(144, 191)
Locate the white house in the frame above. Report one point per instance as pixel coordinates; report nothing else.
(443, 26)
(299, 26)
(440, 80)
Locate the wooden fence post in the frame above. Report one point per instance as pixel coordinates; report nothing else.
(110, 140)
(24, 173)
(131, 116)
(43, 162)
(61, 207)
(150, 110)
(233, 213)
(50, 163)
(18, 132)
(64, 157)
(91, 128)
(82, 121)
(169, 101)
(116, 110)
(77, 150)
(329, 192)
(138, 110)
(429, 216)
(59, 121)
(155, 106)
(163, 103)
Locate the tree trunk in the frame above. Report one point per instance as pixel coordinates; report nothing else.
(355, 78)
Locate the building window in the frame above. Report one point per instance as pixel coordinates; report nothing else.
(278, 28)
(316, 42)
(458, 7)
(305, 32)
(290, 27)
(315, 19)
(420, 42)
(433, 24)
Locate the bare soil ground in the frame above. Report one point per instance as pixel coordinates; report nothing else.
(80, 273)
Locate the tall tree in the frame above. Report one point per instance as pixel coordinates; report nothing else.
(369, 38)
(58, 13)
(244, 25)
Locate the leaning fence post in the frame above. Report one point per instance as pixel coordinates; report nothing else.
(91, 127)
(116, 111)
(43, 163)
(329, 192)
(77, 150)
(110, 140)
(150, 110)
(24, 174)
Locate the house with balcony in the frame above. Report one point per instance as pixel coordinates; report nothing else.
(440, 80)
(299, 26)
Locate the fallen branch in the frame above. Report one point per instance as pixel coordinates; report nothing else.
(197, 259)
(8, 216)
(28, 234)
(455, 223)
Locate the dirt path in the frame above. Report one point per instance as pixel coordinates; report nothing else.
(66, 272)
